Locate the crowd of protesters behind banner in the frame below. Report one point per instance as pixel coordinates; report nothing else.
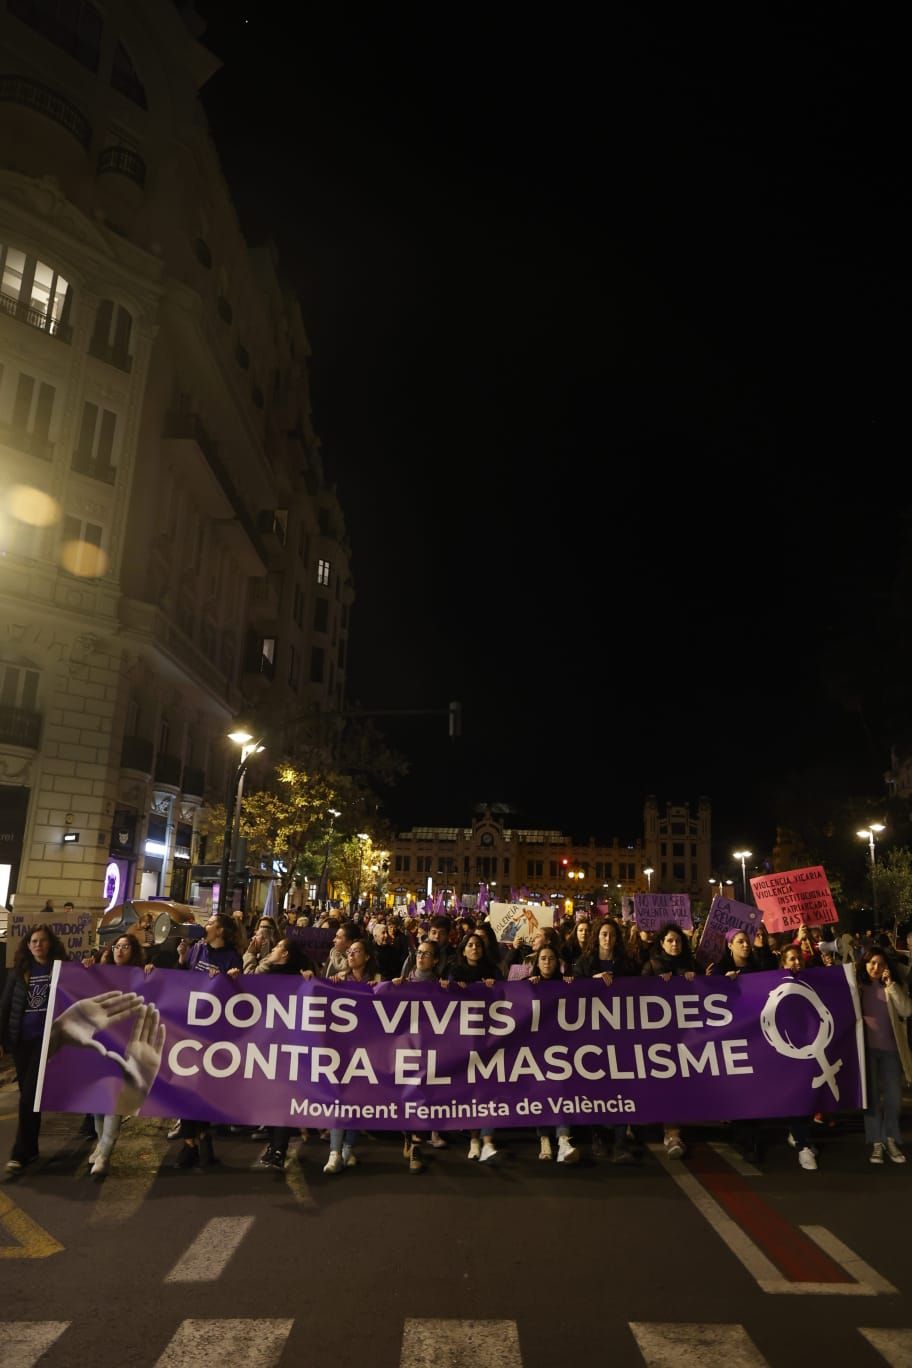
(375, 946)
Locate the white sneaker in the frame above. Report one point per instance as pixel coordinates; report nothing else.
(99, 1166)
(895, 1152)
(334, 1163)
(488, 1152)
(807, 1158)
(349, 1158)
(877, 1150)
(674, 1147)
(544, 1150)
(93, 1156)
(566, 1154)
(474, 1149)
(174, 1130)
(437, 1140)
(794, 1144)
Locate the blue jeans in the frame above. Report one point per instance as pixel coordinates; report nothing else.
(881, 1119)
(338, 1138)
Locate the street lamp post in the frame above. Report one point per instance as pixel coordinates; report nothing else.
(743, 856)
(324, 883)
(867, 834)
(720, 885)
(649, 871)
(363, 838)
(249, 748)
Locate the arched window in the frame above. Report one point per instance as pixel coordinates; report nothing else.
(33, 292)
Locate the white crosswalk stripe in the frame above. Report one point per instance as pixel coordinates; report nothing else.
(241, 1343)
(23, 1342)
(895, 1346)
(712, 1346)
(209, 1253)
(460, 1344)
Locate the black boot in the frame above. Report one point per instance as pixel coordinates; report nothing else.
(188, 1158)
(206, 1152)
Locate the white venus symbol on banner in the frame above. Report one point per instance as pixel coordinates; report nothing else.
(816, 1049)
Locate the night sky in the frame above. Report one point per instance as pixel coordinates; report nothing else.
(608, 324)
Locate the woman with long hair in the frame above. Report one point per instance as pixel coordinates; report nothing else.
(287, 956)
(671, 957)
(473, 964)
(885, 1008)
(218, 953)
(361, 967)
(127, 953)
(23, 1011)
(546, 968)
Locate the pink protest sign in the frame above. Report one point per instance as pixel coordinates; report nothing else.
(799, 896)
(725, 915)
(652, 910)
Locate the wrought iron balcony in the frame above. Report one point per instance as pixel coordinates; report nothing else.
(136, 754)
(114, 355)
(123, 161)
(23, 90)
(20, 727)
(96, 470)
(34, 318)
(194, 782)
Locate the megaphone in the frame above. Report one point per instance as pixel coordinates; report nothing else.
(169, 926)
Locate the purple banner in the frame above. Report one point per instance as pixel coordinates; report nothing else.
(278, 1050)
(652, 910)
(725, 915)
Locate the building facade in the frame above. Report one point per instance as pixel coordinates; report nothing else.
(171, 552)
(551, 865)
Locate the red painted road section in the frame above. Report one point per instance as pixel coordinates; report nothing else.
(798, 1258)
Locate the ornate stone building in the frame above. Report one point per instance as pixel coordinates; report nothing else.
(675, 847)
(170, 548)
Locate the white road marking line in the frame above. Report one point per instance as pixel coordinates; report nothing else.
(242, 1343)
(209, 1253)
(460, 1344)
(735, 1160)
(763, 1270)
(893, 1345)
(23, 1342)
(135, 1163)
(841, 1254)
(712, 1346)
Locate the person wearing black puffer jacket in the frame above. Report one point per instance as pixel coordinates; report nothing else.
(671, 957)
(23, 1011)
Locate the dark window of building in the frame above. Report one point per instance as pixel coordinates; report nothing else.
(321, 615)
(73, 25)
(317, 664)
(677, 872)
(677, 849)
(124, 77)
(678, 829)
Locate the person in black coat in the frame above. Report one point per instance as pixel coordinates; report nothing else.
(23, 1011)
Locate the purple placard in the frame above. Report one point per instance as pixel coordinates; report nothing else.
(652, 910)
(725, 915)
(280, 1050)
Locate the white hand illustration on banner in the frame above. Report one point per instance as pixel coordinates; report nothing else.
(816, 1049)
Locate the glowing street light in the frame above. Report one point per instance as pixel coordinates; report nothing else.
(867, 834)
(743, 856)
(649, 871)
(249, 747)
(721, 885)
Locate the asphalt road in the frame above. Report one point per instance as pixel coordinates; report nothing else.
(519, 1265)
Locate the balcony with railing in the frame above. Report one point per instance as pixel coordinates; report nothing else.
(193, 783)
(168, 770)
(112, 353)
(35, 318)
(96, 470)
(122, 161)
(32, 443)
(20, 727)
(136, 754)
(35, 95)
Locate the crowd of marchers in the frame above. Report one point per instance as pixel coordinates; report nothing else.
(372, 947)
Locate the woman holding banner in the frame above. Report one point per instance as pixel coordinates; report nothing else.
(546, 968)
(671, 957)
(473, 964)
(22, 1016)
(605, 957)
(885, 1008)
(127, 953)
